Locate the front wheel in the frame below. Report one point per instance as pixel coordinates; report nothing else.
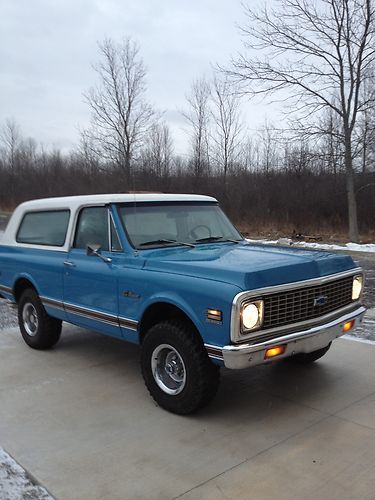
(176, 368)
(38, 329)
(305, 358)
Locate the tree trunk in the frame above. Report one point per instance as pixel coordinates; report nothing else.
(364, 153)
(127, 170)
(350, 190)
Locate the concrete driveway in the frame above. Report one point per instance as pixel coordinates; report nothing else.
(80, 420)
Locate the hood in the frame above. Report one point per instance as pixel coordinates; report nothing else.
(246, 265)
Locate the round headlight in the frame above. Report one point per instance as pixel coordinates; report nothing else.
(357, 287)
(250, 316)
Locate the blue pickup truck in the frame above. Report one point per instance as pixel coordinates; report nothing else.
(172, 274)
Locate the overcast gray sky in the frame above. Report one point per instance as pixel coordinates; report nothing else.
(47, 47)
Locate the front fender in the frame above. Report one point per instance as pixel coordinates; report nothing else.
(192, 295)
(176, 300)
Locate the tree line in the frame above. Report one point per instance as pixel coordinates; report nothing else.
(271, 187)
(315, 173)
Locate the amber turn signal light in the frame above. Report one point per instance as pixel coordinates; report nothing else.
(214, 315)
(274, 351)
(348, 326)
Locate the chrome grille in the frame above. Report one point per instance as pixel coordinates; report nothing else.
(303, 304)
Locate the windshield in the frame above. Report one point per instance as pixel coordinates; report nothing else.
(177, 224)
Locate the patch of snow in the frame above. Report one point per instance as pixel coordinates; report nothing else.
(281, 241)
(353, 247)
(15, 484)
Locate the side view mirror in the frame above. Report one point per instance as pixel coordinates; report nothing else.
(96, 250)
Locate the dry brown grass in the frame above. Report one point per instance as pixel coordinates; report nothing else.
(6, 210)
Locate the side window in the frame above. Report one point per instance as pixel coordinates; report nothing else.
(92, 228)
(44, 228)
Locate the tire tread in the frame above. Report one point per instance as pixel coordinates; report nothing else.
(206, 374)
(49, 328)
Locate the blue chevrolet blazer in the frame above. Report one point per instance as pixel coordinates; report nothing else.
(172, 274)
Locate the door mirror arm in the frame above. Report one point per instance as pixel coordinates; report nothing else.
(96, 250)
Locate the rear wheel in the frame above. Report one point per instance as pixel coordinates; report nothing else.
(176, 368)
(304, 358)
(38, 329)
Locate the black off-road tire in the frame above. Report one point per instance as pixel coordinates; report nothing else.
(202, 376)
(304, 358)
(47, 329)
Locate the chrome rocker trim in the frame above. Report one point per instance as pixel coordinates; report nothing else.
(245, 355)
(84, 312)
(92, 314)
(6, 289)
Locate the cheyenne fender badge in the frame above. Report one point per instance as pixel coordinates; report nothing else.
(131, 295)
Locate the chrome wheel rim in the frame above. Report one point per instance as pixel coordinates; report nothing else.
(168, 369)
(30, 319)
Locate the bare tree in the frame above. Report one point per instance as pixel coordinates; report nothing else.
(365, 131)
(159, 150)
(249, 154)
(328, 132)
(227, 136)
(10, 140)
(198, 117)
(299, 159)
(10, 144)
(87, 151)
(269, 140)
(120, 113)
(318, 52)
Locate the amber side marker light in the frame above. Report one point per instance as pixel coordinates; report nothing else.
(274, 351)
(348, 326)
(214, 315)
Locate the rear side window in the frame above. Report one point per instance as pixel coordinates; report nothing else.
(44, 228)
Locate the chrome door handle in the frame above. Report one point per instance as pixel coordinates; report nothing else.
(67, 263)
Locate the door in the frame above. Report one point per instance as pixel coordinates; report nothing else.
(90, 281)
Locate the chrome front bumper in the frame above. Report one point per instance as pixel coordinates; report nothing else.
(246, 355)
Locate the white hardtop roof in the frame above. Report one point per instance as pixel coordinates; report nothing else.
(74, 203)
(103, 199)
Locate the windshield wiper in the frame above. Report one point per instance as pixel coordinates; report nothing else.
(161, 241)
(215, 238)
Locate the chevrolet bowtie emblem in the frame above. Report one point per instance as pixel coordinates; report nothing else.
(321, 301)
